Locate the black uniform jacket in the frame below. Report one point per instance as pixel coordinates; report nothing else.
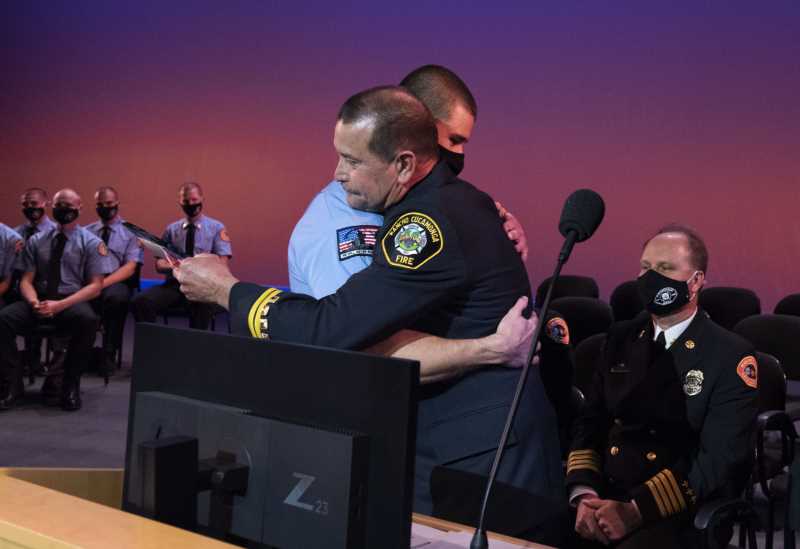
(442, 265)
(667, 428)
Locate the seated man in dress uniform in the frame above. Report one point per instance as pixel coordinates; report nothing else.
(124, 256)
(11, 244)
(34, 202)
(63, 269)
(195, 234)
(669, 418)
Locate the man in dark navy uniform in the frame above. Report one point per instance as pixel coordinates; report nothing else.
(63, 270)
(670, 414)
(443, 266)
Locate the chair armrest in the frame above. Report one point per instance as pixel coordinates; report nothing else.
(773, 420)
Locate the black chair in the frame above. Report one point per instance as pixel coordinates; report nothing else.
(789, 305)
(568, 285)
(769, 470)
(625, 301)
(585, 316)
(771, 459)
(180, 311)
(727, 306)
(778, 335)
(587, 356)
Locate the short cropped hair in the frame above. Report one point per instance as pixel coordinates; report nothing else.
(400, 121)
(36, 190)
(107, 189)
(441, 90)
(698, 253)
(189, 185)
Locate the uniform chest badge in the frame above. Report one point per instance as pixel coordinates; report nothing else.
(693, 383)
(666, 296)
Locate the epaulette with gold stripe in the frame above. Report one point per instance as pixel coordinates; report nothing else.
(257, 317)
(583, 459)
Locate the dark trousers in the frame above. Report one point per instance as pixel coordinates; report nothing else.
(112, 306)
(79, 322)
(154, 301)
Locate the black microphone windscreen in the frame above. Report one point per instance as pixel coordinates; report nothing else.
(583, 211)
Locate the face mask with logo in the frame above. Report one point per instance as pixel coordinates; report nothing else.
(192, 210)
(107, 213)
(662, 295)
(454, 160)
(65, 215)
(33, 214)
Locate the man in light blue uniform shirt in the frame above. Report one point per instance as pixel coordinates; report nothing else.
(11, 244)
(63, 270)
(195, 234)
(330, 243)
(124, 256)
(34, 202)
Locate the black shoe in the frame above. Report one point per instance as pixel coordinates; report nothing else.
(9, 397)
(52, 389)
(71, 397)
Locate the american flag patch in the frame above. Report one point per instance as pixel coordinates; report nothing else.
(356, 240)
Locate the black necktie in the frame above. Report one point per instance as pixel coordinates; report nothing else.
(105, 234)
(54, 266)
(30, 230)
(190, 230)
(661, 343)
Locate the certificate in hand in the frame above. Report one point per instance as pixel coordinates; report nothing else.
(159, 247)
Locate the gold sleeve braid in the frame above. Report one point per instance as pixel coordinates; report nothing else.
(257, 317)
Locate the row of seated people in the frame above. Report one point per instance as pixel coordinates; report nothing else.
(77, 278)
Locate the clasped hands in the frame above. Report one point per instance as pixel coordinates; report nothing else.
(606, 520)
(47, 309)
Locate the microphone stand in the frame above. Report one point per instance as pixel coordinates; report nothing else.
(479, 539)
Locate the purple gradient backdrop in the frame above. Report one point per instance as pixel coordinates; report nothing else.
(672, 113)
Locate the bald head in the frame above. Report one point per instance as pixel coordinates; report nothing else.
(67, 196)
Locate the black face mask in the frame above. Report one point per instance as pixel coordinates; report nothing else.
(192, 210)
(33, 214)
(107, 213)
(65, 215)
(454, 160)
(662, 295)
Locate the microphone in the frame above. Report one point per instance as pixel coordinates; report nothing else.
(582, 214)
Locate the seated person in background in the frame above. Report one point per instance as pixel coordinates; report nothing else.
(63, 270)
(195, 234)
(11, 244)
(34, 202)
(124, 255)
(669, 419)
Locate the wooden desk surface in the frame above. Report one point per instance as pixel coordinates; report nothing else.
(35, 517)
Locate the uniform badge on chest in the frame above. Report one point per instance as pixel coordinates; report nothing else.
(693, 383)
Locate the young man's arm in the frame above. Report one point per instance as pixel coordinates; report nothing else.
(442, 359)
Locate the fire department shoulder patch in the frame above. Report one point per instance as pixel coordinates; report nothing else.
(413, 239)
(748, 371)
